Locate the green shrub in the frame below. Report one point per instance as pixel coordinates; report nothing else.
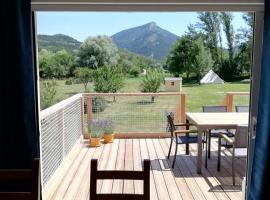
(68, 82)
(48, 94)
(99, 104)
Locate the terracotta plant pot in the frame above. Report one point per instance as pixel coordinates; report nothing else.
(108, 138)
(94, 142)
(86, 136)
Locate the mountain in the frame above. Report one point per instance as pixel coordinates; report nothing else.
(58, 42)
(149, 40)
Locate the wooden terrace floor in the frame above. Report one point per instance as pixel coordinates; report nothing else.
(166, 184)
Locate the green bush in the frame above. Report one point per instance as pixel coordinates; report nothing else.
(99, 104)
(68, 82)
(48, 94)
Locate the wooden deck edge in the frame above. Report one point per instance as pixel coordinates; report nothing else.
(142, 135)
(57, 177)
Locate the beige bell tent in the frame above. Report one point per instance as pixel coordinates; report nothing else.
(211, 78)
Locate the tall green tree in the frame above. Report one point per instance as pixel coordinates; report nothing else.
(210, 25)
(227, 19)
(180, 58)
(97, 52)
(203, 61)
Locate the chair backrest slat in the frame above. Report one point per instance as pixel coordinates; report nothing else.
(23, 174)
(241, 136)
(125, 175)
(214, 108)
(242, 108)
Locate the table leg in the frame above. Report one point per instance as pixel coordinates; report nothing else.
(199, 155)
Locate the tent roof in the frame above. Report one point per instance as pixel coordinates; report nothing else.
(211, 77)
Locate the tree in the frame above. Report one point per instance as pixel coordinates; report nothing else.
(83, 75)
(97, 52)
(108, 80)
(180, 58)
(151, 82)
(229, 33)
(210, 25)
(63, 63)
(203, 61)
(45, 64)
(55, 65)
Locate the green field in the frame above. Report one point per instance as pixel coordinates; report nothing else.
(137, 114)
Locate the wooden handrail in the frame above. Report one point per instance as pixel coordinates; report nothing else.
(134, 94)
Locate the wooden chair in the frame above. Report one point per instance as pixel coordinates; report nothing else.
(126, 175)
(22, 175)
(239, 149)
(215, 132)
(181, 136)
(242, 108)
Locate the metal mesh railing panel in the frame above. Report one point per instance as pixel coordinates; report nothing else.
(72, 125)
(60, 130)
(136, 114)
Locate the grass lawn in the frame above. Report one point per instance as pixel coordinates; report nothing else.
(137, 114)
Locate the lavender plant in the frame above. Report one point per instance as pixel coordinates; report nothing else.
(96, 128)
(108, 126)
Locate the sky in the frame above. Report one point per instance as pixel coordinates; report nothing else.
(80, 25)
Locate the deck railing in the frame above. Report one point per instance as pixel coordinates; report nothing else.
(61, 129)
(135, 113)
(233, 99)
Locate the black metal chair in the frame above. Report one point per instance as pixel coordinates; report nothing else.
(215, 132)
(242, 108)
(181, 136)
(239, 146)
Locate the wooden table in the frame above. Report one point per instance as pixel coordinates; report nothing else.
(205, 121)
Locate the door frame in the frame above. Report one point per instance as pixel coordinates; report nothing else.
(256, 6)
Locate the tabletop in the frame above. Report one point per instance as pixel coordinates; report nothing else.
(228, 119)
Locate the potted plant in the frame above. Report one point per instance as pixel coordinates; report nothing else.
(96, 131)
(108, 131)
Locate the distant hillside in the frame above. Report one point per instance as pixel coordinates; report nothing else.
(149, 40)
(57, 42)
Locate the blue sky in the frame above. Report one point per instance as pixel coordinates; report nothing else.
(80, 25)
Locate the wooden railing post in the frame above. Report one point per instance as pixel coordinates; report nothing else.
(182, 108)
(82, 115)
(229, 102)
(89, 108)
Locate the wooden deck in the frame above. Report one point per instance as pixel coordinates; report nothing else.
(181, 183)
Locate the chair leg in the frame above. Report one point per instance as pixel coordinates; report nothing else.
(206, 152)
(187, 149)
(219, 153)
(176, 146)
(233, 174)
(170, 148)
(209, 145)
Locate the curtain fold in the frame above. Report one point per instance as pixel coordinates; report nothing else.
(19, 142)
(259, 185)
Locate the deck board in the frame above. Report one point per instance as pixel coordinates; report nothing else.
(165, 183)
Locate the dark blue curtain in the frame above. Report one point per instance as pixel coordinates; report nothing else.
(259, 185)
(18, 110)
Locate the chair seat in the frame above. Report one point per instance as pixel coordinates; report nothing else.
(187, 140)
(216, 132)
(239, 152)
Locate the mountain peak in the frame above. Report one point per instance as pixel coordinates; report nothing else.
(151, 24)
(148, 39)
